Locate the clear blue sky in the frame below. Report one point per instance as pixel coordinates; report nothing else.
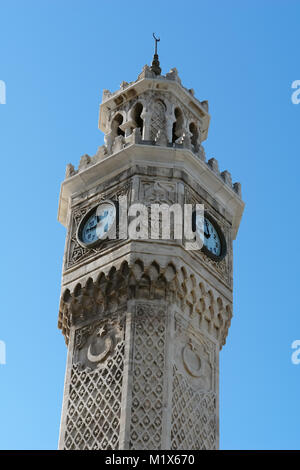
(56, 58)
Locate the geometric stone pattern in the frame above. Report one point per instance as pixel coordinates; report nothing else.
(94, 407)
(148, 378)
(157, 119)
(193, 416)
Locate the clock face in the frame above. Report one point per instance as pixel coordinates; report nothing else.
(96, 224)
(211, 238)
(214, 243)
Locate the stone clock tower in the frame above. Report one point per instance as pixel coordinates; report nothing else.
(144, 319)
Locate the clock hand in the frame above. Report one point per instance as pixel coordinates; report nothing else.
(206, 230)
(88, 229)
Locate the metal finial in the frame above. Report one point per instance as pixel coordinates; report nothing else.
(155, 62)
(156, 41)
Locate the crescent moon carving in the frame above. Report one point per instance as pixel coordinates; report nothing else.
(103, 355)
(192, 361)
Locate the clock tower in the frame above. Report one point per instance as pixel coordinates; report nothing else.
(145, 318)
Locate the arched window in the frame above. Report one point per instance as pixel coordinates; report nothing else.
(178, 124)
(136, 116)
(195, 136)
(115, 126)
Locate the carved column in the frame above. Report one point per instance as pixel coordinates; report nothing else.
(146, 116)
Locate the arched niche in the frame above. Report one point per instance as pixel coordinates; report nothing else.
(115, 126)
(178, 125)
(136, 116)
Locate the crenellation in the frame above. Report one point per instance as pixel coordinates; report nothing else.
(214, 165)
(226, 176)
(135, 138)
(106, 94)
(238, 188)
(84, 162)
(173, 75)
(70, 170)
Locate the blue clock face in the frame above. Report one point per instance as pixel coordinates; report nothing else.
(211, 238)
(97, 224)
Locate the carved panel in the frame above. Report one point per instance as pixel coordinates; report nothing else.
(95, 344)
(195, 355)
(194, 390)
(158, 192)
(193, 416)
(148, 377)
(94, 407)
(158, 119)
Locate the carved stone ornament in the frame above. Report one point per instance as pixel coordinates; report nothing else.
(197, 365)
(194, 421)
(95, 387)
(96, 343)
(158, 192)
(98, 298)
(148, 377)
(195, 356)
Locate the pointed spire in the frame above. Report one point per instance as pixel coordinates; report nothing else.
(155, 62)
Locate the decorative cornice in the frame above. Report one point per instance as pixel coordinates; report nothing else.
(177, 158)
(108, 292)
